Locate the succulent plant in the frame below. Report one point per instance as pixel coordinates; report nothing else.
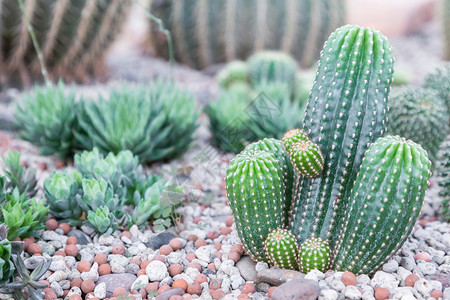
(420, 115)
(234, 72)
(444, 182)
(281, 248)
(154, 122)
(314, 253)
(256, 191)
(61, 192)
(346, 112)
(28, 285)
(6, 265)
(306, 158)
(293, 136)
(23, 216)
(102, 220)
(73, 37)
(46, 118)
(272, 66)
(18, 176)
(229, 122)
(439, 80)
(211, 32)
(384, 205)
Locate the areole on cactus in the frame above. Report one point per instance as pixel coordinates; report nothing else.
(329, 214)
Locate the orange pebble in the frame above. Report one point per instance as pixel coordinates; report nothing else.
(65, 227)
(175, 269)
(200, 242)
(87, 286)
(104, 269)
(118, 249)
(101, 258)
(180, 283)
(382, 294)
(348, 278)
(164, 288)
(201, 278)
(248, 288)
(71, 250)
(175, 244)
(34, 248)
(84, 266)
(51, 224)
(165, 250)
(119, 291)
(239, 248)
(225, 230)
(72, 240)
(229, 221)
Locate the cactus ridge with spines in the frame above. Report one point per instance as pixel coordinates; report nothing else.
(281, 248)
(384, 204)
(307, 158)
(314, 253)
(444, 182)
(256, 192)
(346, 111)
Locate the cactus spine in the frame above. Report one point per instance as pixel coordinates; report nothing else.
(346, 111)
(444, 182)
(73, 36)
(256, 190)
(281, 249)
(384, 204)
(314, 253)
(206, 32)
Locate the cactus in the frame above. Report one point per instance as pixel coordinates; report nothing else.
(281, 248)
(444, 182)
(234, 72)
(420, 115)
(306, 158)
(255, 188)
(384, 204)
(272, 66)
(439, 80)
(346, 111)
(73, 37)
(314, 253)
(209, 32)
(292, 137)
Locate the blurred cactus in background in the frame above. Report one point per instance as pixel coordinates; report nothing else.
(209, 32)
(73, 37)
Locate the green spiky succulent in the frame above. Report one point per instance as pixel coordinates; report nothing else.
(314, 253)
(154, 122)
(46, 118)
(307, 158)
(61, 191)
(256, 190)
(27, 286)
(6, 265)
(420, 115)
(384, 205)
(234, 72)
(23, 216)
(18, 176)
(444, 182)
(272, 66)
(292, 137)
(73, 37)
(102, 220)
(439, 80)
(281, 248)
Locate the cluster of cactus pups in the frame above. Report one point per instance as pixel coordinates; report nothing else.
(348, 202)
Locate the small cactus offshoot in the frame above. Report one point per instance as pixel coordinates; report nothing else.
(314, 253)
(307, 158)
(281, 248)
(293, 136)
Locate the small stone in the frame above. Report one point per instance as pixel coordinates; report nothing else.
(215, 284)
(104, 269)
(248, 288)
(100, 291)
(118, 249)
(200, 243)
(175, 269)
(194, 288)
(159, 240)
(34, 248)
(217, 294)
(132, 268)
(423, 286)
(51, 224)
(337, 285)
(298, 288)
(87, 286)
(328, 294)
(352, 292)
(156, 270)
(57, 288)
(261, 266)
(386, 280)
(390, 267)
(426, 268)
(175, 244)
(423, 256)
(101, 258)
(408, 263)
(236, 281)
(315, 275)
(277, 276)
(348, 278)
(170, 293)
(71, 250)
(442, 278)
(82, 238)
(382, 294)
(32, 262)
(437, 294)
(411, 279)
(180, 283)
(65, 227)
(114, 281)
(247, 269)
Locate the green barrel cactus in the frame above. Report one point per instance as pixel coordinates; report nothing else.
(73, 37)
(293, 136)
(444, 182)
(439, 80)
(346, 112)
(272, 66)
(281, 248)
(256, 192)
(306, 158)
(233, 73)
(384, 205)
(419, 115)
(314, 253)
(210, 32)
